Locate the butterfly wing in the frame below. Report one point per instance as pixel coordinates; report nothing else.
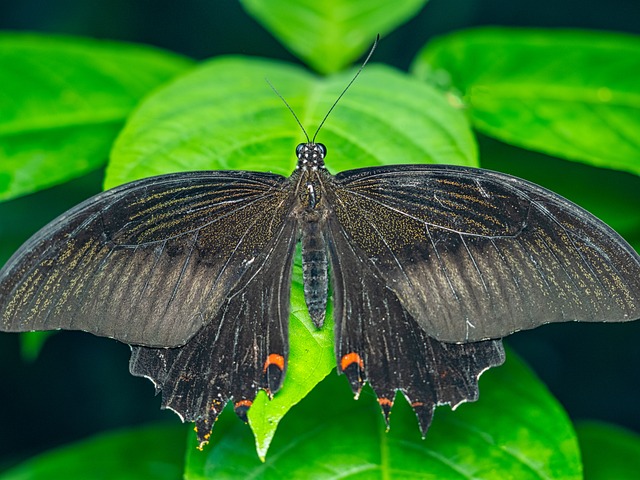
(147, 263)
(474, 255)
(242, 349)
(379, 342)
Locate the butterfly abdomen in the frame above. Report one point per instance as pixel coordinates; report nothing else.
(314, 271)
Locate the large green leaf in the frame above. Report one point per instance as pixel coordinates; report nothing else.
(573, 94)
(146, 452)
(223, 115)
(63, 101)
(516, 430)
(311, 358)
(608, 452)
(330, 35)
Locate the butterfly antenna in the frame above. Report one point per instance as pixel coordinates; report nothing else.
(290, 109)
(373, 47)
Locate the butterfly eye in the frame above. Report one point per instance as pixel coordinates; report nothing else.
(300, 149)
(322, 148)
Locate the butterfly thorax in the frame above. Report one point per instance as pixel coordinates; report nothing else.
(309, 174)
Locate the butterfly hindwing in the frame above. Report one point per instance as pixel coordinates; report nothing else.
(475, 255)
(377, 341)
(147, 263)
(241, 349)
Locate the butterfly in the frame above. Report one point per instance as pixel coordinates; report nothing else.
(428, 267)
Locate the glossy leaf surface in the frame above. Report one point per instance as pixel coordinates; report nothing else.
(567, 93)
(63, 102)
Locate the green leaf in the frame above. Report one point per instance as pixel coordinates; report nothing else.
(63, 101)
(516, 430)
(146, 452)
(608, 452)
(573, 94)
(223, 115)
(330, 35)
(311, 358)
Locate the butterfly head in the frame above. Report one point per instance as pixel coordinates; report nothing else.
(310, 156)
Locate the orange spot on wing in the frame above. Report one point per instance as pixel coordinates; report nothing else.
(385, 402)
(243, 403)
(349, 359)
(274, 359)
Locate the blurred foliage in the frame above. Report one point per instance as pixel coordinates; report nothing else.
(148, 452)
(64, 100)
(608, 452)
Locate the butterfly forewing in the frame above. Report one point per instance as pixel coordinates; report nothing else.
(473, 254)
(147, 263)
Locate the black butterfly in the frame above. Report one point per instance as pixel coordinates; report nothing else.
(430, 266)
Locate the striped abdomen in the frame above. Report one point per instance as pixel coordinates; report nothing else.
(314, 271)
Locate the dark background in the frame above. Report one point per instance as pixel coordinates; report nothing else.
(80, 384)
